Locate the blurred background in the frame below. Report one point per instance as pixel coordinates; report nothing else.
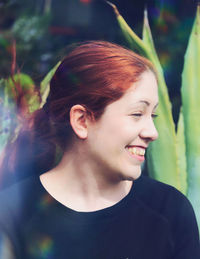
(42, 29)
(34, 36)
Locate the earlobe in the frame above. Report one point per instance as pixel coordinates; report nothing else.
(78, 121)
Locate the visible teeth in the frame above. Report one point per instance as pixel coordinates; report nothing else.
(137, 151)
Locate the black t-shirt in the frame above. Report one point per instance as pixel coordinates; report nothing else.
(154, 221)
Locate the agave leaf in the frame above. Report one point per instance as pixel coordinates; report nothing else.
(162, 154)
(44, 86)
(131, 37)
(181, 149)
(152, 55)
(190, 92)
(148, 40)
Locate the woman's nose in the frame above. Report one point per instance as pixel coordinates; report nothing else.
(149, 131)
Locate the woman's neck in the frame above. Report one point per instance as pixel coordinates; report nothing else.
(80, 185)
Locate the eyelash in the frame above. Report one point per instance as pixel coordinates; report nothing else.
(140, 114)
(137, 114)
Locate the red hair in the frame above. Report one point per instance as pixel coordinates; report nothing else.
(93, 74)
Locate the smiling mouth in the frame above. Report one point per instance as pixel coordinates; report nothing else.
(139, 151)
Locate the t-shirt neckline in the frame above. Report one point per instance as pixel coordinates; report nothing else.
(105, 213)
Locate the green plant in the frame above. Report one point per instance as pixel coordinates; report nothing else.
(175, 157)
(19, 98)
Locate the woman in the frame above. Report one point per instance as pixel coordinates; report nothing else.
(94, 203)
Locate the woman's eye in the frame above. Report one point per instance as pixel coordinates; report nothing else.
(137, 114)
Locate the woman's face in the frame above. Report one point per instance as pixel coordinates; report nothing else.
(117, 142)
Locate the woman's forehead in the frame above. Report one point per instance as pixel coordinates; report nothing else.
(143, 92)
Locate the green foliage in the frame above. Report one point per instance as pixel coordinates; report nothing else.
(25, 23)
(21, 90)
(175, 157)
(190, 93)
(19, 98)
(44, 86)
(29, 30)
(8, 118)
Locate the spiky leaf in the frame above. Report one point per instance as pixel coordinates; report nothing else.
(181, 149)
(190, 92)
(44, 86)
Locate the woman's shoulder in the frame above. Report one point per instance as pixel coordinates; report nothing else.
(150, 184)
(148, 188)
(176, 210)
(170, 204)
(160, 196)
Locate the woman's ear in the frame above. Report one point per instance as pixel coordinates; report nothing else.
(79, 120)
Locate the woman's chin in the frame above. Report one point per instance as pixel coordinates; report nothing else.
(133, 175)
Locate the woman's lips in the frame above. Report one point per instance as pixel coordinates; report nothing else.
(137, 152)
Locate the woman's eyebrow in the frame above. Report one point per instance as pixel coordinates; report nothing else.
(147, 103)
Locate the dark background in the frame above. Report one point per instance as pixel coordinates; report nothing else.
(43, 28)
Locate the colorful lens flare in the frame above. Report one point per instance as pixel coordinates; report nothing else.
(42, 247)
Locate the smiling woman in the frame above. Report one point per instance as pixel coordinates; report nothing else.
(95, 203)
